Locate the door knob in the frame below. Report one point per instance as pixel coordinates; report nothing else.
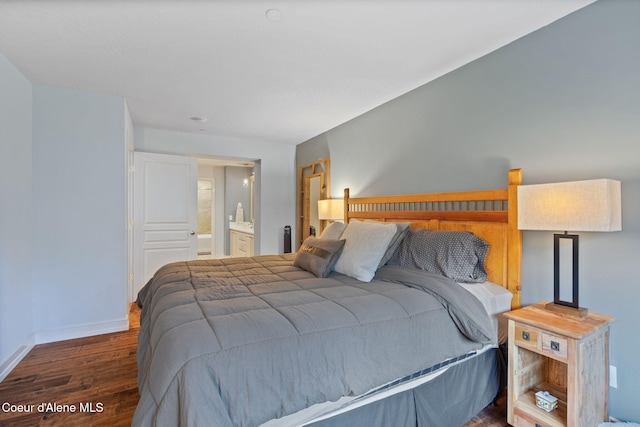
(192, 232)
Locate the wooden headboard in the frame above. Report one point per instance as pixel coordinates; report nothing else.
(489, 214)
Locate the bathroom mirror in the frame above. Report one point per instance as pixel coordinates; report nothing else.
(313, 185)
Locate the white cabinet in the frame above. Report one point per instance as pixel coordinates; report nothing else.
(240, 244)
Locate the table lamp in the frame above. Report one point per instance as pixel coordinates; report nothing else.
(592, 205)
(331, 209)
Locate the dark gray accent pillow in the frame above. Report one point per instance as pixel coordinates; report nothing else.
(401, 232)
(458, 255)
(318, 255)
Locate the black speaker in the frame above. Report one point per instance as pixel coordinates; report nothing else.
(287, 239)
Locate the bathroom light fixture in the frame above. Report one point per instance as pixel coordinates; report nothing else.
(593, 205)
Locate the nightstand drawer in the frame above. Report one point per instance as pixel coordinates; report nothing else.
(554, 345)
(521, 419)
(526, 335)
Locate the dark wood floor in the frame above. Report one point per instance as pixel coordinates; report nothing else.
(99, 374)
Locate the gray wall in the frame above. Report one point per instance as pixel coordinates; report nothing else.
(312, 151)
(80, 273)
(63, 221)
(16, 226)
(562, 104)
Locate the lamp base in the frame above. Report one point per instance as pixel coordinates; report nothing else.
(563, 309)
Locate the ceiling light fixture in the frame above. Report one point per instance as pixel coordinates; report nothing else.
(274, 15)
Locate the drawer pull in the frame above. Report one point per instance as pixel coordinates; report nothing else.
(525, 336)
(556, 345)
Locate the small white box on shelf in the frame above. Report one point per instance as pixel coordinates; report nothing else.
(546, 401)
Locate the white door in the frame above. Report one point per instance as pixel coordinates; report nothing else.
(165, 217)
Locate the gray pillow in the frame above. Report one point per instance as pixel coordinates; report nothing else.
(401, 232)
(317, 255)
(333, 230)
(458, 255)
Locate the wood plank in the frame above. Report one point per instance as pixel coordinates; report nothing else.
(514, 240)
(566, 325)
(494, 216)
(479, 195)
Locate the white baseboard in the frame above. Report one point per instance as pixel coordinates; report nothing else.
(7, 366)
(82, 331)
(60, 335)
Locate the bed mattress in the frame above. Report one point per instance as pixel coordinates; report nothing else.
(496, 300)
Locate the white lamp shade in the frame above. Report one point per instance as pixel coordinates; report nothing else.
(593, 205)
(331, 209)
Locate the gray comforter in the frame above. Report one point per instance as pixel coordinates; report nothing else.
(240, 341)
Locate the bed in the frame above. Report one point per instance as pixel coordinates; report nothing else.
(350, 330)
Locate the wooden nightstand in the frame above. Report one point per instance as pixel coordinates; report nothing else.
(564, 355)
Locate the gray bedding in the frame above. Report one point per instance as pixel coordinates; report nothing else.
(240, 341)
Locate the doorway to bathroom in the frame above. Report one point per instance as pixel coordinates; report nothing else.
(206, 217)
(222, 184)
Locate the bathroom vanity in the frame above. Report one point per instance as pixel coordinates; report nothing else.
(240, 239)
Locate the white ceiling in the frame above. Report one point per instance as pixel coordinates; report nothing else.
(323, 63)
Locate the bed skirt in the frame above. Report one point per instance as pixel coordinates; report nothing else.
(450, 399)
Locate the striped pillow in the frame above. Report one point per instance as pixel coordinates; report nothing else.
(318, 255)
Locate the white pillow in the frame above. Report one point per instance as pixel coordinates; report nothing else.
(366, 243)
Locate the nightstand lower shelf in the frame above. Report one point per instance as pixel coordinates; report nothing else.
(526, 404)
